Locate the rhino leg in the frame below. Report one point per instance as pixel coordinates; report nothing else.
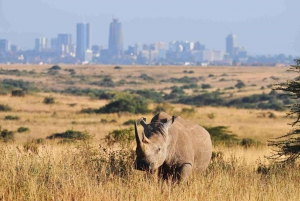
(184, 172)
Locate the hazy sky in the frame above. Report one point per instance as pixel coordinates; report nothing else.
(262, 26)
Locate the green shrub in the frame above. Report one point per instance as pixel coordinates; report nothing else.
(71, 135)
(117, 67)
(55, 67)
(123, 137)
(129, 122)
(147, 78)
(105, 82)
(18, 92)
(240, 85)
(23, 129)
(19, 84)
(5, 108)
(6, 135)
(10, 117)
(131, 104)
(190, 86)
(221, 135)
(49, 100)
(206, 86)
(150, 94)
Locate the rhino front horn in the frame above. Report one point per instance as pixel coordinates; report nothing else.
(137, 136)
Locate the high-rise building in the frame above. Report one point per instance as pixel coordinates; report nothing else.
(88, 36)
(115, 44)
(231, 44)
(4, 45)
(63, 43)
(83, 40)
(14, 48)
(40, 44)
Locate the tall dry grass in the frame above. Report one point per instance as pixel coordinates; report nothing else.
(85, 172)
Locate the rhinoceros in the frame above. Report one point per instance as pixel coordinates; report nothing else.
(172, 145)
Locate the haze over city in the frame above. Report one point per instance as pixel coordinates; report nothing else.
(263, 27)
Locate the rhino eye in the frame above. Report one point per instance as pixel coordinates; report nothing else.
(157, 150)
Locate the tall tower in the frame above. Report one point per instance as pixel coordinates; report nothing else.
(63, 43)
(40, 44)
(80, 42)
(115, 44)
(231, 44)
(83, 40)
(88, 36)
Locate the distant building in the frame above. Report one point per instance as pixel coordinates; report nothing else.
(88, 36)
(115, 44)
(14, 48)
(83, 40)
(4, 45)
(199, 46)
(40, 44)
(63, 43)
(231, 44)
(53, 44)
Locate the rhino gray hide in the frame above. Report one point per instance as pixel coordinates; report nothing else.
(172, 145)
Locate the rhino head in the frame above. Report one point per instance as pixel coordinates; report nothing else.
(152, 145)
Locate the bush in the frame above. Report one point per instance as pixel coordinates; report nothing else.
(105, 82)
(123, 137)
(49, 100)
(221, 135)
(206, 86)
(129, 122)
(71, 135)
(150, 94)
(190, 86)
(146, 78)
(117, 67)
(4, 108)
(240, 85)
(55, 67)
(18, 92)
(131, 104)
(10, 117)
(6, 135)
(23, 129)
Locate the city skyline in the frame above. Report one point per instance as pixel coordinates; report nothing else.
(263, 30)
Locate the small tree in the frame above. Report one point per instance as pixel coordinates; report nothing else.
(286, 149)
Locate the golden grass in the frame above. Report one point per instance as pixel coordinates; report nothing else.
(67, 173)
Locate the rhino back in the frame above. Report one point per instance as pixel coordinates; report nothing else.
(190, 143)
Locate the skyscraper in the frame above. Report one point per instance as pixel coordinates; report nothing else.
(231, 44)
(88, 36)
(115, 44)
(40, 44)
(63, 43)
(83, 40)
(4, 45)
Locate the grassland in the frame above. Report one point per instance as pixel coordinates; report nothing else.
(83, 171)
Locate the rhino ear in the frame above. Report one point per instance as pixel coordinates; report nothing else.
(169, 123)
(143, 122)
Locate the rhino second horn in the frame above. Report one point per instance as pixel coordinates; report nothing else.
(137, 136)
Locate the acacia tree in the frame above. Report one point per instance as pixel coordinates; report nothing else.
(286, 149)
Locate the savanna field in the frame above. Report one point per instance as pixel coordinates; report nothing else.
(67, 131)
